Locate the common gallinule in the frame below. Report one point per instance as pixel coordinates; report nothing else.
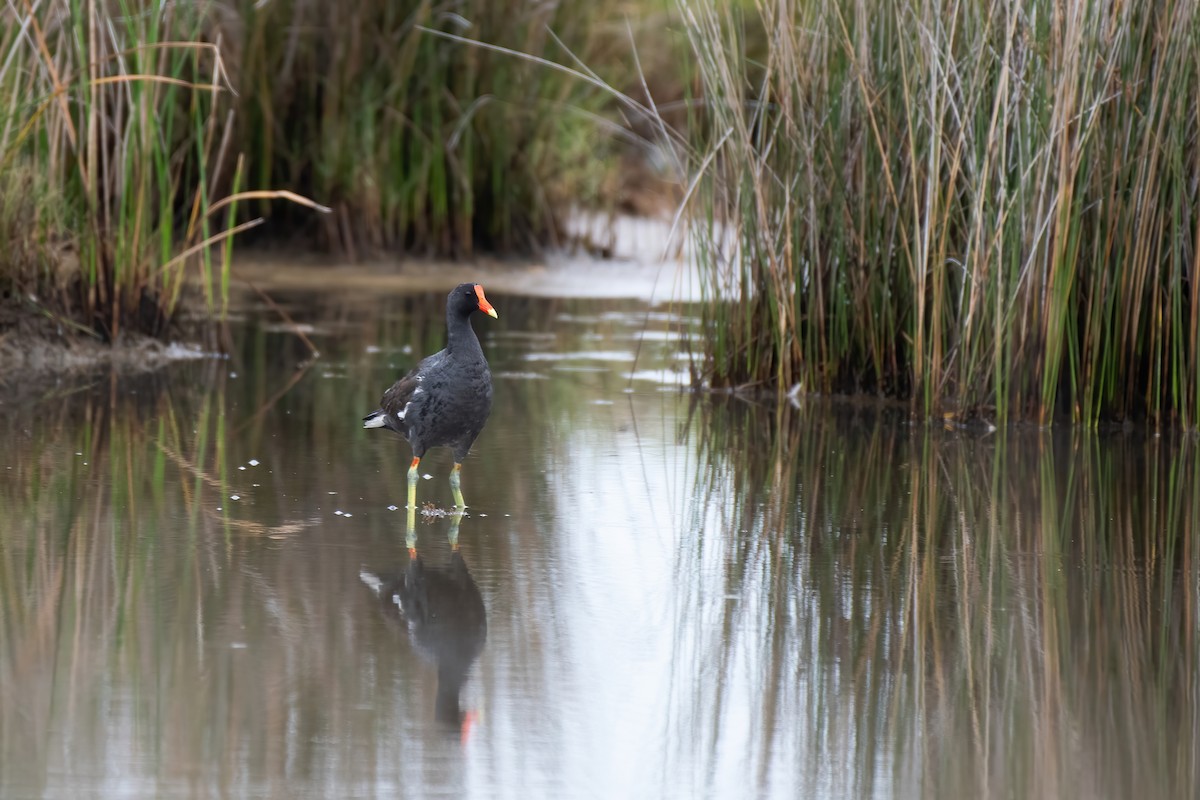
(443, 612)
(446, 398)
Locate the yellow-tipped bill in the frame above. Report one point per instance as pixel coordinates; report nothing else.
(484, 305)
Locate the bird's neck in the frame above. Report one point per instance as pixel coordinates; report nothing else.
(460, 336)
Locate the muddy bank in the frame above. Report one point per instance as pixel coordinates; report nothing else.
(36, 348)
(24, 358)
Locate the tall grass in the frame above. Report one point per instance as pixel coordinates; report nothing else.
(113, 131)
(420, 142)
(986, 207)
(128, 129)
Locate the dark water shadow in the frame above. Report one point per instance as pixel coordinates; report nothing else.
(441, 611)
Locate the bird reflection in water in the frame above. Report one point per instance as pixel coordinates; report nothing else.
(443, 612)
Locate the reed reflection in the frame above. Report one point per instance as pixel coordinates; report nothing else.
(956, 615)
(442, 611)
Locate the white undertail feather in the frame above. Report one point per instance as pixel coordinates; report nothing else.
(378, 421)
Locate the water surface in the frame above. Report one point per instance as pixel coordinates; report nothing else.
(652, 595)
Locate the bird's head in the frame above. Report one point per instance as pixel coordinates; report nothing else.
(468, 298)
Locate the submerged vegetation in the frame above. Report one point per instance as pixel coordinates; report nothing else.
(989, 208)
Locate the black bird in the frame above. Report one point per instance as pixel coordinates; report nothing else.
(443, 612)
(446, 399)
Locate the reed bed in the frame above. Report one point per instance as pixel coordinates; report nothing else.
(111, 131)
(136, 139)
(421, 140)
(988, 208)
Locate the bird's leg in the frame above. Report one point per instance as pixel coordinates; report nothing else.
(412, 485)
(456, 485)
(410, 535)
(452, 535)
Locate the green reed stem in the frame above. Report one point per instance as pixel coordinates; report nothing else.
(984, 208)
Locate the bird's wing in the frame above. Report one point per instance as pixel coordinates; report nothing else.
(397, 397)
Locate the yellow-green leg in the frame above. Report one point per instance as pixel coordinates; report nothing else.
(410, 535)
(452, 535)
(413, 475)
(456, 485)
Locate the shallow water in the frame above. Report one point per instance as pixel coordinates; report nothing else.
(652, 595)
